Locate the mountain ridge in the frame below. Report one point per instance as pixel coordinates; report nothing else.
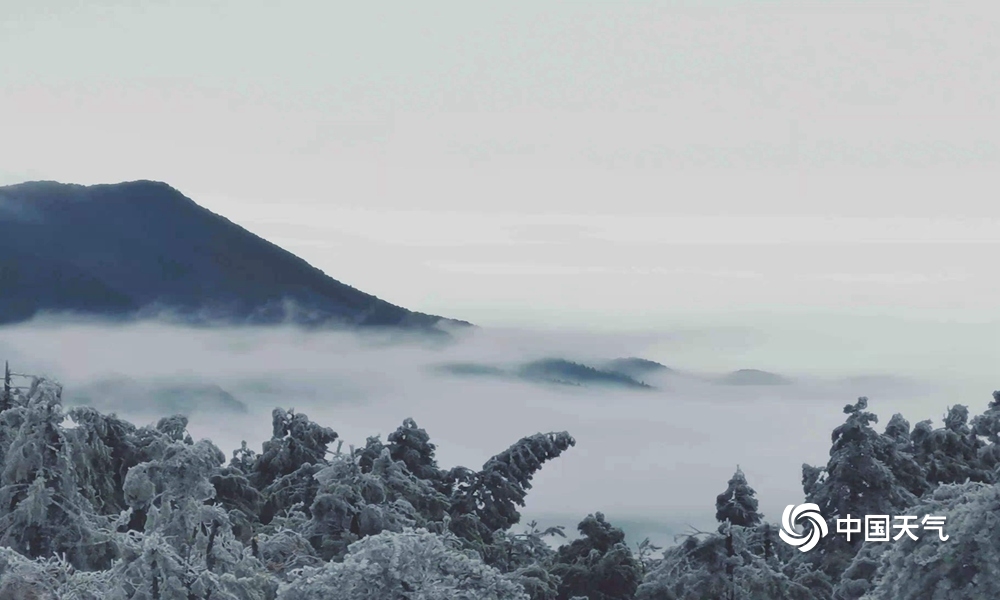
(140, 248)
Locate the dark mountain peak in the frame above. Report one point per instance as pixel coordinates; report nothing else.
(126, 249)
(140, 192)
(50, 185)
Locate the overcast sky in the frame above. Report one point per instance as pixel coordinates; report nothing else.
(607, 163)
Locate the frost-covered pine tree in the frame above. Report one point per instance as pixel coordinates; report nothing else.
(735, 507)
(186, 547)
(405, 564)
(987, 425)
(953, 453)
(284, 473)
(487, 501)
(599, 565)
(859, 479)
(6, 392)
(351, 504)
(738, 504)
(52, 578)
(42, 510)
(295, 441)
(162, 519)
(411, 445)
(898, 455)
(965, 567)
(729, 567)
(529, 557)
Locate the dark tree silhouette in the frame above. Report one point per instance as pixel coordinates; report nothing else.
(738, 504)
(598, 566)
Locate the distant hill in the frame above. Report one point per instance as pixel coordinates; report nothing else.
(166, 398)
(549, 370)
(636, 367)
(557, 370)
(132, 249)
(753, 377)
(473, 369)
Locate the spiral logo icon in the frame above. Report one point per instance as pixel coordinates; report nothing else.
(807, 541)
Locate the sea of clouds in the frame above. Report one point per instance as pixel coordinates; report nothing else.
(652, 460)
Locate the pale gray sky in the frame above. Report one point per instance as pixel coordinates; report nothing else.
(618, 163)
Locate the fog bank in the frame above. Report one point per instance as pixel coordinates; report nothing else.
(654, 459)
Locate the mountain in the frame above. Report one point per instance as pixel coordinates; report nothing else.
(636, 367)
(558, 370)
(753, 377)
(548, 370)
(472, 369)
(165, 398)
(141, 248)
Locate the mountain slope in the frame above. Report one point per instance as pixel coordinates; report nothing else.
(753, 377)
(558, 370)
(636, 367)
(548, 370)
(136, 248)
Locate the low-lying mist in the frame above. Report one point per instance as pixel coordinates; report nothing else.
(651, 458)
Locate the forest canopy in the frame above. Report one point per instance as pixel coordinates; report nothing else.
(92, 506)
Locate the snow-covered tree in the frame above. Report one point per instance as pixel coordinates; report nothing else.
(284, 550)
(207, 565)
(351, 504)
(411, 445)
(406, 564)
(487, 501)
(898, 454)
(284, 472)
(106, 510)
(295, 441)
(727, 567)
(529, 557)
(42, 511)
(186, 547)
(51, 578)
(599, 565)
(859, 577)
(953, 453)
(965, 567)
(511, 551)
(859, 479)
(987, 425)
(6, 392)
(738, 504)
(105, 449)
(237, 496)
